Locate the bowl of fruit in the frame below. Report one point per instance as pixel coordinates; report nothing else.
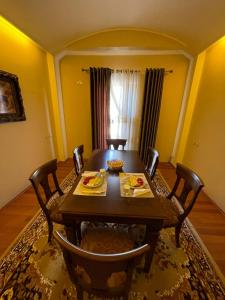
(115, 164)
(136, 182)
(92, 181)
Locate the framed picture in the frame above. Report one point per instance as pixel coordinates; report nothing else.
(11, 102)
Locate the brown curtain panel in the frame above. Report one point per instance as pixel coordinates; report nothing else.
(151, 109)
(100, 89)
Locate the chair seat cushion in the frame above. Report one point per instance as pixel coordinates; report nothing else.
(105, 241)
(55, 215)
(172, 212)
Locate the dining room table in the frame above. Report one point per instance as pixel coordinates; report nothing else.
(113, 205)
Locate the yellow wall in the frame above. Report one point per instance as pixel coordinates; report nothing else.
(76, 96)
(132, 38)
(26, 144)
(205, 150)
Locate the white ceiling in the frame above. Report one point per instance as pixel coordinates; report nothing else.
(55, 23)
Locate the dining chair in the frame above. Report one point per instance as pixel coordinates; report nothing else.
(49, 193)
(115, 143)
(103, 264)
(179, 203)
(153, 161)
(78, 159)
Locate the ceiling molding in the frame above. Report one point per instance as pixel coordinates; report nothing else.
(119, 52)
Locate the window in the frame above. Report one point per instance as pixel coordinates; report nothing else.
(125, 107)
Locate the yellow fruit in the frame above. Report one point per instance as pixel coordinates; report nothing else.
(133, 180)
(94, 181)
(115, 164)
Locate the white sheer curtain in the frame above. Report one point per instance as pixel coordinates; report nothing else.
(125, 107)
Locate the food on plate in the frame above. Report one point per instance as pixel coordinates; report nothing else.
(115, 164)
(136, 181)
(87, 179)
(92, 181)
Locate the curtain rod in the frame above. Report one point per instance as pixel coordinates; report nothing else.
(120, 70)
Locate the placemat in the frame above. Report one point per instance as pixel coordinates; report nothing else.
(127, 191)
(97, 191)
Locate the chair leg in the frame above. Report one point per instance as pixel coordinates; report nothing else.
(78, 230)
(79, 293)
(50, 231)
(177, 234)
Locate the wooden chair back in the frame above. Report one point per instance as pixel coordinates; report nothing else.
(99, 268)
(153, 161)
(40, 180)
(187, 183)
(78, 159)
(116, 143)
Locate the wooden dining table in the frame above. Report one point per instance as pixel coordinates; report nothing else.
(113, 208)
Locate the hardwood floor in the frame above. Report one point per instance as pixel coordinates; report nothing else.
(206, 217)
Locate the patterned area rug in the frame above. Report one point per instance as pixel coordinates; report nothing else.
(33, 269)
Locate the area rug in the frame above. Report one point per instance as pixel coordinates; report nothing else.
(33, 269)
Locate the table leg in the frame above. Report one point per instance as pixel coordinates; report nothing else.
(151, 238)
(73, 233)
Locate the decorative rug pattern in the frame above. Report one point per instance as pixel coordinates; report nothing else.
(34, 269)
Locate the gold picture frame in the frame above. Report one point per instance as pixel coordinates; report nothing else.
(11, 102)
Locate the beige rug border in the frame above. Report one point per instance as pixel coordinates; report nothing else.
(205, 249)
